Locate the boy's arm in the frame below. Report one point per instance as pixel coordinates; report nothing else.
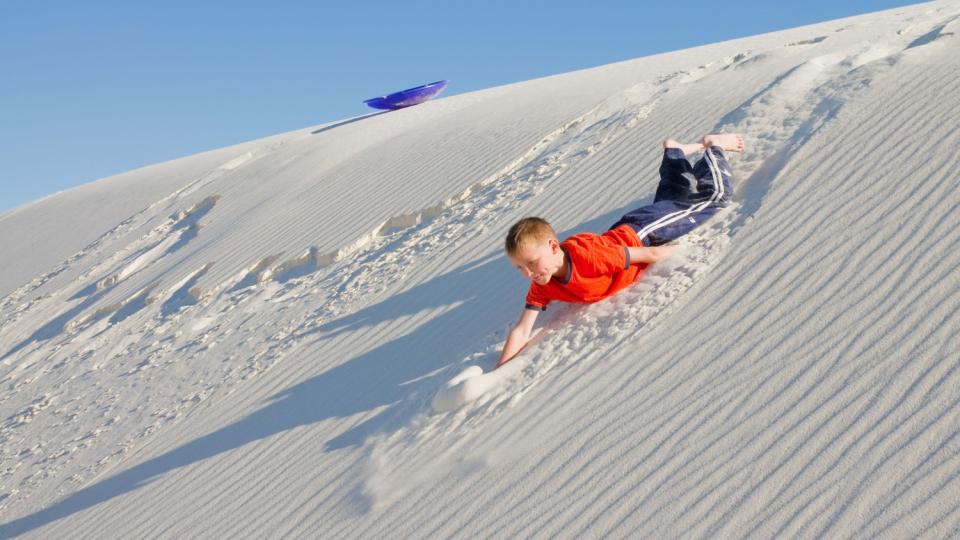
(518, 336)
(643, 255)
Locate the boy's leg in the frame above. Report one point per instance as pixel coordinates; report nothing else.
(713, 175)
(677, 178)
(668, 219)
(648, 221)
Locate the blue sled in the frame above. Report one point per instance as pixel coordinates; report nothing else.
(408, 97)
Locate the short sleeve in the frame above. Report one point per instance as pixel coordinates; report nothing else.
(537, 298)
(600, 256)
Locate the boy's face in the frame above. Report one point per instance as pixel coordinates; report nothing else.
(539, 261)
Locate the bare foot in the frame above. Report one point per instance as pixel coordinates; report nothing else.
(731, 142)
(687, 149)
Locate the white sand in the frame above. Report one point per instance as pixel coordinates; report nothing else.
(248, 342)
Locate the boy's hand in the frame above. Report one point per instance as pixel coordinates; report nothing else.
(518, 336)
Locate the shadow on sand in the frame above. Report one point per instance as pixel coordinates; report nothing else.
(385, 376)
(345, 122)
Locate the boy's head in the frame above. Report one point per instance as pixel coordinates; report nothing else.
(533, 248)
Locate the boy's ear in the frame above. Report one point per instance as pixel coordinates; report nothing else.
(554, 245)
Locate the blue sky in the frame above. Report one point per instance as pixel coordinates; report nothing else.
(92, 89)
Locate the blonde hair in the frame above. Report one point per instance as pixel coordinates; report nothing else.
(531, 229)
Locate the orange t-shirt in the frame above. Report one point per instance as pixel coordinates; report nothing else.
(598, 265)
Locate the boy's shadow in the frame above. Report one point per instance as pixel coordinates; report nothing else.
(380, 378)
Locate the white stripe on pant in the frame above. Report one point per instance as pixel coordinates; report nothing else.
(667, 219)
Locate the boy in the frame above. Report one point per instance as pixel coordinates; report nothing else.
(588, 267)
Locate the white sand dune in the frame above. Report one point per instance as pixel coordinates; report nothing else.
(247, 342)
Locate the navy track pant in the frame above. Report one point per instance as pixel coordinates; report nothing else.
(686, 197)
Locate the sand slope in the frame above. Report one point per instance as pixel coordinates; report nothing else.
(247, 342)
